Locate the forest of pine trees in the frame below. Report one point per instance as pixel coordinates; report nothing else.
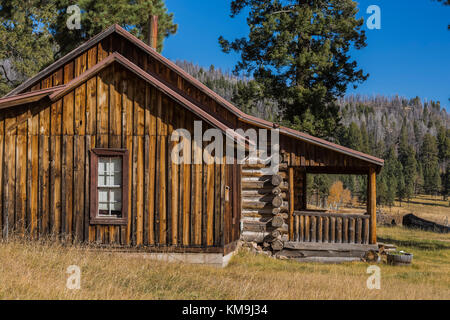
(412, 136)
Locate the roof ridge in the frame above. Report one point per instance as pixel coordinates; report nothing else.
(225, 103)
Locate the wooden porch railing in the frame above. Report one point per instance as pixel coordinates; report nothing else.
(312, 226)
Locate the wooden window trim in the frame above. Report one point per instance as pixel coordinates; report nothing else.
(95, 154)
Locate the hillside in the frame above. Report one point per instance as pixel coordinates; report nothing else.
(412, 135)
(383, 116)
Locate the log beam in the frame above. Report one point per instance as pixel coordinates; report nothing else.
(372, 204)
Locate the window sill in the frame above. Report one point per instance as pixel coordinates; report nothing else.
(109, 221)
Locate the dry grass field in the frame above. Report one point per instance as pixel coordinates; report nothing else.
(38, 271)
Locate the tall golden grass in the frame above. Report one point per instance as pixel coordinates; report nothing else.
(30, 270)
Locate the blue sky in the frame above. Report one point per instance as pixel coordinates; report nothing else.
(409, 56)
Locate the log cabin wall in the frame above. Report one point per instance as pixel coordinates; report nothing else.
(261, 219)
(44, 171)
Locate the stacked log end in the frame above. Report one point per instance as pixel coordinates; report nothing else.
(264, 205)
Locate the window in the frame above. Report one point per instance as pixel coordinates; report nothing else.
(109, 186)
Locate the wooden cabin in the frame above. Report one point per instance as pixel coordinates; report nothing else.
(85, 151)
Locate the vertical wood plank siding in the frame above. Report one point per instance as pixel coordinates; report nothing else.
(115, 43)
(44, 171)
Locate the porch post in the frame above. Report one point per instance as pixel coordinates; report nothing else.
(304, 189)
(372, 204)
(291, 203)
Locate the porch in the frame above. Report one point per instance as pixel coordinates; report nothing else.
(276, 215)
(323, 226)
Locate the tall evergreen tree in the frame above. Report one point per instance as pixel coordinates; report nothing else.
(26, 40)
(389, 178)
(96, 15)
(446, 184)
(35, 32)
(443, 140)
(365, 143)
(429, 157)
(299, 53)
(354, 138)
(409, 173)
(403, 143)
(407, 158)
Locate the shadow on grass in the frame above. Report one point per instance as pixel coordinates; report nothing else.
(417, 243)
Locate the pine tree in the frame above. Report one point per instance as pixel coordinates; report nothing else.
(407, 158)
(381, 189)
(390, 178)
(446, 184)
(429, 158)
(354, 137)
(35, 32)
(96, 15)
(403, 145)
(365, 144)
(298, 52)
(409, 173)
(26, 40)
(443, 140)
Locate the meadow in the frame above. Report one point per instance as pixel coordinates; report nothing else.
(37, 270)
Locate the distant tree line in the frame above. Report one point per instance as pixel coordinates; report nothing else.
(412, 136)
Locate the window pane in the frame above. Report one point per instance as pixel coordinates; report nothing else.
(116, 195)
(116, 165)
(110, 171)
(102, 179)
(103, 195)
(117, 179)
(102, 172)
(103, 206)
(117, 206)
(102, 164)
(110, 186)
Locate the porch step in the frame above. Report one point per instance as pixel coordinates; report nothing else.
(324, 252)
(329, 246)
(331, 260)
